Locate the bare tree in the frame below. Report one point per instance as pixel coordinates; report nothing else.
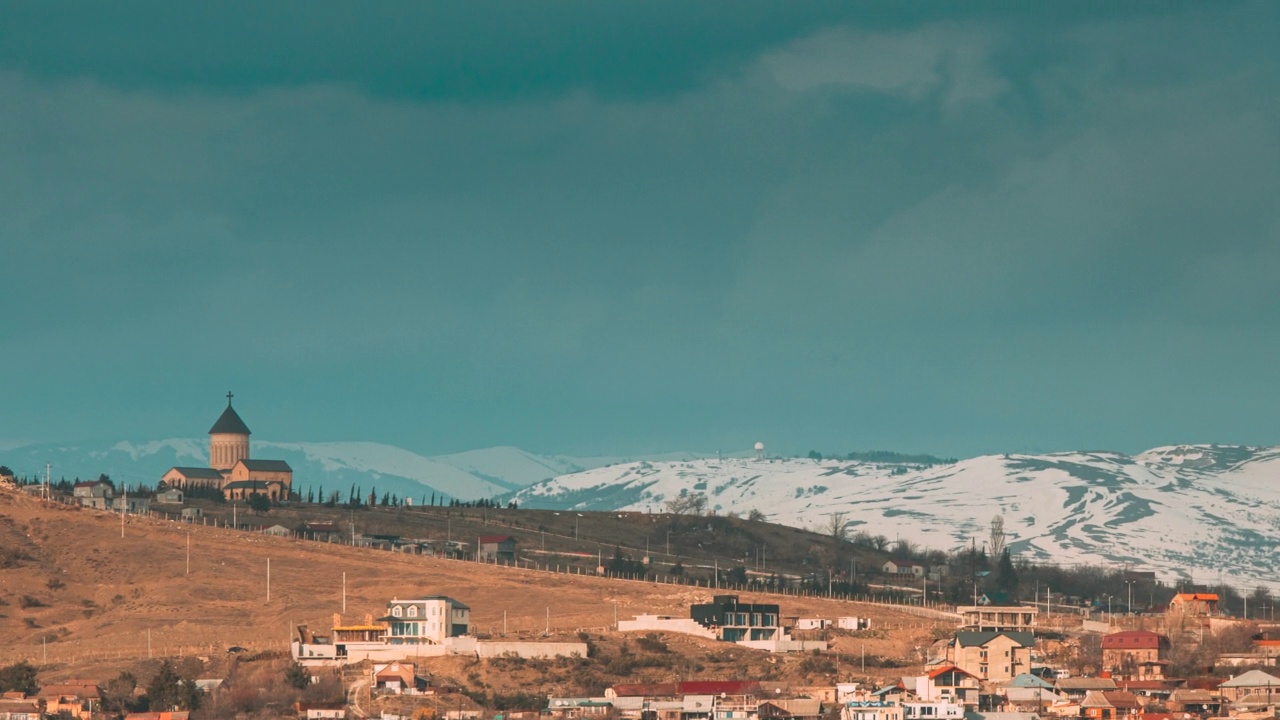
(997, 536)
(838, 527)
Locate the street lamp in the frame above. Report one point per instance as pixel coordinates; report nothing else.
(1130, 584)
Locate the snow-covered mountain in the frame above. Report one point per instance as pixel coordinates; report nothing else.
(1195, 511)
(329, 466)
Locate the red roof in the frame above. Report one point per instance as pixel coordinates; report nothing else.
(1133, 640)
(715, 687)
(949, 668)
(495, 539)
(1190, 597)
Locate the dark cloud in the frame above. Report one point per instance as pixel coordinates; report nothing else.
(598, 228)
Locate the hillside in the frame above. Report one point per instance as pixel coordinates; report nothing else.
(1189, 512)
(88, 600)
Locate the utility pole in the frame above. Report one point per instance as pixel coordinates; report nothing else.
(188, 552)
(344, 592)
(124, 504)
(268, 579)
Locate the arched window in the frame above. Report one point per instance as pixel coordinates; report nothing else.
(413, 611)
(395, 611)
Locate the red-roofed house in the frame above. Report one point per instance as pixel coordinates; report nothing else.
(951, 684)
(1194, 604)
(1109, 705)
(76, 698)
(1135, 654)
(497, 547)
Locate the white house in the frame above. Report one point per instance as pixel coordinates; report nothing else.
(426, 621)
(900, 569)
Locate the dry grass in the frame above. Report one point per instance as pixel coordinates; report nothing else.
(98, 595)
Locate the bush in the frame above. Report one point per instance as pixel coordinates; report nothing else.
(19, 677)
(27, 601)
(653, 643)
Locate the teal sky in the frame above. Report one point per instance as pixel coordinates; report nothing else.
(588, 227)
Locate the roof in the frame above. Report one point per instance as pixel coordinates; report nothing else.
(971, 638)
(457, 604)
(1133, 639)
(229, 423)
(1110, 698)
(1253, 678)
(266, 465)
(197, 472)
(715, 687)
(84, 690)
(1190, 597)
(496, 538)
(643, 689)
(948, 668)
(1027, 680)
(1086, 684)
(1033, 694)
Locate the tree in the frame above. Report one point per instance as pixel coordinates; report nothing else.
(755, 515)
(163, 692)
(997, 535)
(677, 569)
(19, 677)
(1006, 574)
(118, 692)
(815, 455)
(189, 695)
(838, 527)
(297, 676)
(260, 504)
(5, 471)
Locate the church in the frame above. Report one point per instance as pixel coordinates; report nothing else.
(230, 467)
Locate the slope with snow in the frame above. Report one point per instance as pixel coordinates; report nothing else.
(1196, 511)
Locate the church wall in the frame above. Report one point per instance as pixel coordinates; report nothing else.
(226, 449)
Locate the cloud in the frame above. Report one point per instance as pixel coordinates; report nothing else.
(910, 64)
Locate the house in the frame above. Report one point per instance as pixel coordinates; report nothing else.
(323, 531)
(175, 715)
(1194, 604)
(1135, 654)
(733, 621)
(1254, 682)
(812, 624)
(788, 708)
(426, 621)
(321, 711)
(936, 710)
(998, 611)
(1195, 701)
(94, 494)
(1031, 699)
(991, 656)
(191, 514)
(80, 699)
(951, 684)
(853, 623)
(170, 496)
(278, 531)
(497, 547)
(132, 504)
(870, 710)
(1109, 705)
(573, 708)
(19, 710)
(397, 678)
(902, 569)
(1077, 688)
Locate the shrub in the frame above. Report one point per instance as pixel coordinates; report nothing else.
(653, 643)
(27, 601)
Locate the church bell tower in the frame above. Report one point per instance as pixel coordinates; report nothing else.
(228, 440)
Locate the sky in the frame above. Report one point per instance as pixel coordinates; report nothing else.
(603, 228)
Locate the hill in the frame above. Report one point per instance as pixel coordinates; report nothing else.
(1195, 512)
(82, 600)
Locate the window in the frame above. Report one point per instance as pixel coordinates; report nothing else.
(413, 611)
(395, 611)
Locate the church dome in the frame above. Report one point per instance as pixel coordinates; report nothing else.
(229, 423)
